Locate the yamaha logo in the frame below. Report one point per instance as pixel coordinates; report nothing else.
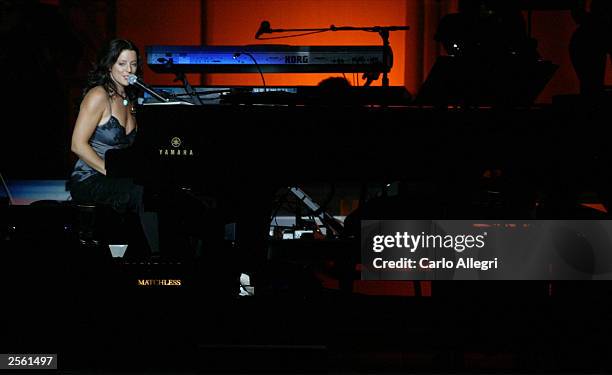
(175, 142)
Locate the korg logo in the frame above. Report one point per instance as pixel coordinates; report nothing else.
(296, 59)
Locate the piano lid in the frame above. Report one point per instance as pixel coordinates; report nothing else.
(269, 59)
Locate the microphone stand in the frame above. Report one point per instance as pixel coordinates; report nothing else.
(383, 31)
(180, 76)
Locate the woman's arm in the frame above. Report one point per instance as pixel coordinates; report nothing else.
(90, 114)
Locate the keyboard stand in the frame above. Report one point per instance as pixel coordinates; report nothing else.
(328, 220)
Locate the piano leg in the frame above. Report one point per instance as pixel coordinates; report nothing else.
(249, 205)
(150, 225)
(189, 226)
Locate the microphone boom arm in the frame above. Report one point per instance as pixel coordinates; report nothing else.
(375, 29)
(133, 80)
(154, 94)
(383, 31)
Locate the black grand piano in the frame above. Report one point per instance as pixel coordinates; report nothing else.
(241, 155)
(243, 148)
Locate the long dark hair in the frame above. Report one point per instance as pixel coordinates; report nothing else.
(100, 74)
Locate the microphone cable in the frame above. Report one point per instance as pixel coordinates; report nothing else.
(263, 80)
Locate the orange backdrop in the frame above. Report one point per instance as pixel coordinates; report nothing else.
(234, 22)
(163, 22)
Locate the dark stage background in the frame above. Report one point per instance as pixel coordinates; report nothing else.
(48, 46)
(311, 312)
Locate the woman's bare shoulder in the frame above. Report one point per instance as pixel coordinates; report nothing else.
(95, 97)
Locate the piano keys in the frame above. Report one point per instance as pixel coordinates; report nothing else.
(284, 95)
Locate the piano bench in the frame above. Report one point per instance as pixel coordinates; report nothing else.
(99, 224)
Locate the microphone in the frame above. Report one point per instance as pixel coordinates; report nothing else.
(133, 80)
(264, 28)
